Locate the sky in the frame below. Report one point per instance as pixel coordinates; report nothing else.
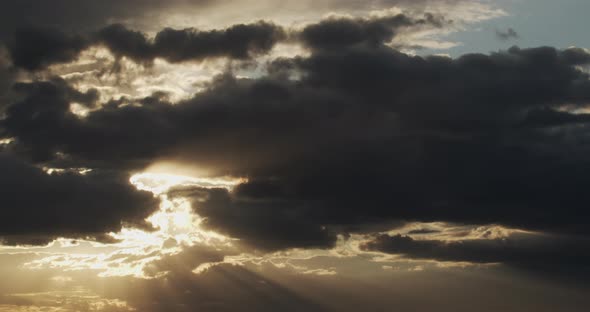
(326, 155)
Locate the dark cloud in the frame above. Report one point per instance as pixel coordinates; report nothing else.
(337, 33)
(88, 15)
(575, 56)
(353, 138)
(125, 42)
(38, 207)
(238, 42)
(46, 104)
(36, 48)
(507, 35)
(367, 135)
(552, 118)
(423, 231)
(83, 15)
(566, 256)
(7, 78)
(263, 223)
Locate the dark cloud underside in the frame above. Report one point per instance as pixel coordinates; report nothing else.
(85, 15)
(35, 48)
(335, 33)
(368, 135)
(351, 138)
(566, 256)
(88, 15)
(37, 207)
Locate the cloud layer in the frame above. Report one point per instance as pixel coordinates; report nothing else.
(334, 135)
(38, 207)
(34, 48)
(366, 135)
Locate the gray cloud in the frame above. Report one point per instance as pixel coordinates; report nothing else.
(36, 48)
(367, 135)
(507, 35)
(337, 33)
(88, 15)
(238, 41)
(83, 15)
(354, 137)
(549, 255)
(38, 207)
(364, 137)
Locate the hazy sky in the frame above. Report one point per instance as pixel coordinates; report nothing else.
(326, 155)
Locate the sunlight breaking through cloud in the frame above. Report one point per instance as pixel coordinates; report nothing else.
(176, 227)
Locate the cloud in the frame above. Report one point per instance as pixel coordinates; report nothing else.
(352, 138)
(188, 260)
(423, 231)
(39, 207)
(238, 41)
(507, 35)
(7, 78)
(332, 147)
(544, 254)
(334, 33)
(84, 15)
(149, 15)
(263, 223)
(366, 135)
(268, 288)
(37, 48)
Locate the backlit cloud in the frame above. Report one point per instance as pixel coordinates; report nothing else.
(290, 156)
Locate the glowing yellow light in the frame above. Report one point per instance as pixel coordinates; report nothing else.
(159, 183)
(6, 141)
(79, 110)
(176, 226)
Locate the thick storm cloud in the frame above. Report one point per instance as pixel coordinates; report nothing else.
(238, 41)
(336, 33)
(365, 136)
(7, 76)
(36, 48)
(311, 155)
(291, 221)
(38, 207)
(355, 136)
(88, 15)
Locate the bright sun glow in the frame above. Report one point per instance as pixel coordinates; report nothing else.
(176, 226)
(159, 183)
